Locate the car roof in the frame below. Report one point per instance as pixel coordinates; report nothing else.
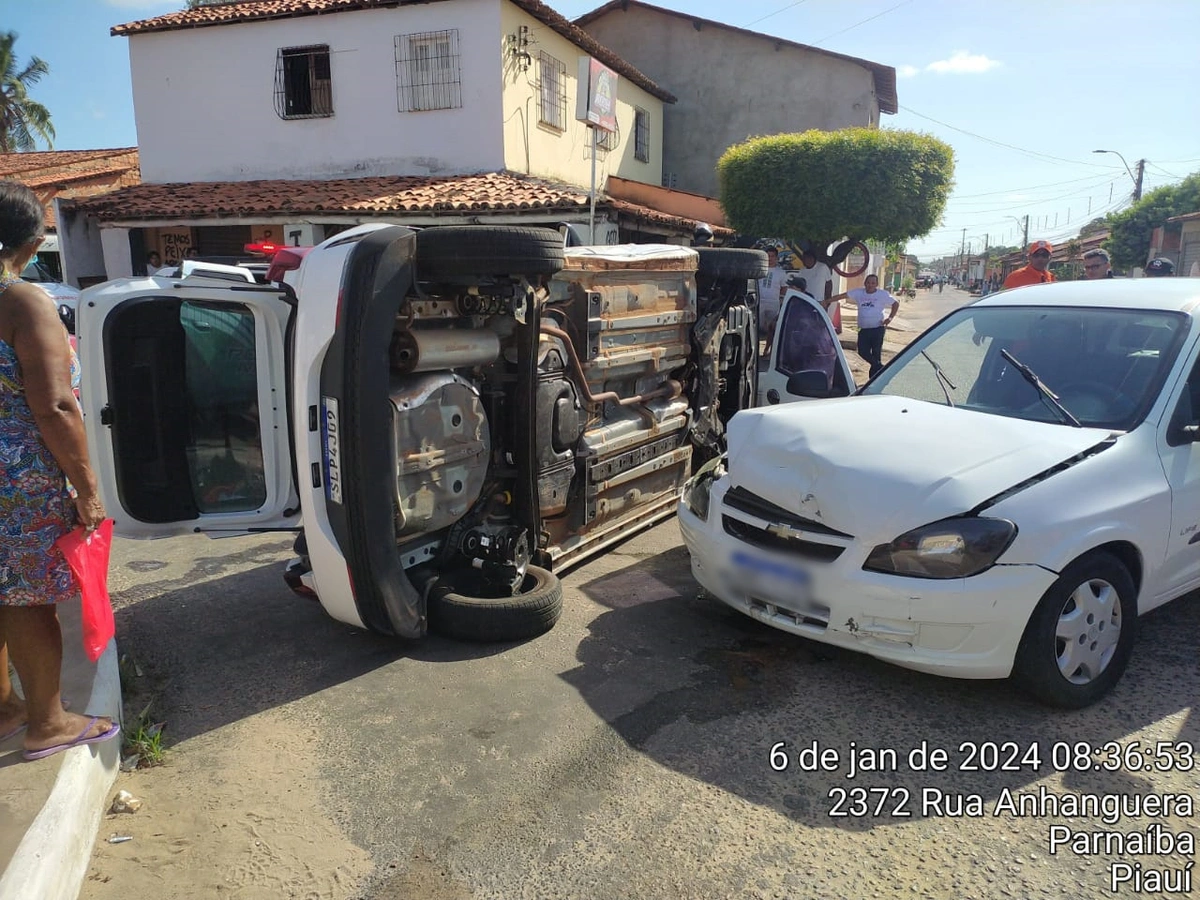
(1168, 294)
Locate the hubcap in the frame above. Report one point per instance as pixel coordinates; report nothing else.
(1089, 627)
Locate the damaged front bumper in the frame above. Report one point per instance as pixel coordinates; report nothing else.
(963, 627)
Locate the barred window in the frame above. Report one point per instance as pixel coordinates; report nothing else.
(303, 84)
(608, 140)
(641, 135)
(552, 89)
(428, 71)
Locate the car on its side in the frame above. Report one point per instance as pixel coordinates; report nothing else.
(1004, 498)
(449, 417)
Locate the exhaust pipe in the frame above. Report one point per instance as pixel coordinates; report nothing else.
(443, 348)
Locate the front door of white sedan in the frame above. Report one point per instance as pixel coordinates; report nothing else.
(1180, 452)
(804, 341)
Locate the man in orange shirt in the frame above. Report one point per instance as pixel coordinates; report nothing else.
(1036, 272)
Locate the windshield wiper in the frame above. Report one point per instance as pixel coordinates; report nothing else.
(942, 377)
(1044, 392)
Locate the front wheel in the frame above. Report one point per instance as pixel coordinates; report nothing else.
(1079, 639)
(528, 613)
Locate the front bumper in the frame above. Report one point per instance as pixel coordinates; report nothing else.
(963, 627)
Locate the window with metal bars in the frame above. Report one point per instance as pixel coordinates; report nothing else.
(552, 90)
(303, 84)
(608, 140)
(641, 135)
(428, 71)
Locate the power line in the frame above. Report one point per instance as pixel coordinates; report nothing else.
(988, 140)
(777, 12)
(1030, 188)
(863, 22)
(1023, 204)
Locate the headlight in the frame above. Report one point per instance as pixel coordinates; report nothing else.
(952, 548)
(697, 489)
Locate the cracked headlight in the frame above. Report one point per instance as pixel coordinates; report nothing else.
(952, 548)
(698, 488)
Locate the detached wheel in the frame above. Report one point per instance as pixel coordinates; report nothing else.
(1080, 637)
(723, 263)
(531, 612)
(482, 251)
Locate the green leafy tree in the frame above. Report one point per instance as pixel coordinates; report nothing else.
(20, 117)
(1097, 224)
(1129, 240)
(818, 186)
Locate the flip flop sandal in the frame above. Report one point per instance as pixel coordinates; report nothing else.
(78, 742)
(66, 704)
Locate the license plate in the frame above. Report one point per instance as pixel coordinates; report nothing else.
(770, 579)
(331, 446)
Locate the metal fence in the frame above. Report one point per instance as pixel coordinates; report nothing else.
(428, 71)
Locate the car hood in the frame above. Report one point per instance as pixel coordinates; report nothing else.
(876, 466)
(59, 292)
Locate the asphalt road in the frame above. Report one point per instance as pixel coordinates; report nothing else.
(626, 754)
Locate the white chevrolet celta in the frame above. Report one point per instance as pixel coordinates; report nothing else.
(1003, 499)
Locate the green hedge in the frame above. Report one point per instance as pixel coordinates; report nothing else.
(862, 183)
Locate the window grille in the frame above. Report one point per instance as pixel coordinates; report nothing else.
(428, 71)
(303, 84)
(552, 90)
(641, 135)
(608, 140)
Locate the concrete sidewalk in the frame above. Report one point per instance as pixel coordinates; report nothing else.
(50, 809)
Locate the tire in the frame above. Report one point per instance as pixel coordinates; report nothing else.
(732, 263)
(482, 251)
(1042, 667)
(530, 613)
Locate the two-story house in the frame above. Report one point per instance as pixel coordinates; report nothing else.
(288, 120)
(733, 84)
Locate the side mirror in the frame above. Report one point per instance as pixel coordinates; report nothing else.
(809, 383)
(67, 316)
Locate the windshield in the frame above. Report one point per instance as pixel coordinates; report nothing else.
(1106, 366)
(34, 272)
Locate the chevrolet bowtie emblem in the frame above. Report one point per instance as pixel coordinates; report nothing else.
(786, 532)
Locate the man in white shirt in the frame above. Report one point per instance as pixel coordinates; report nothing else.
(770, 292)
(819, 282)
(872, 319)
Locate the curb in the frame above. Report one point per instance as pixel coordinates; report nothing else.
(52, 859)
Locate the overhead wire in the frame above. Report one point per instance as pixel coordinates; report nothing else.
(863, 22)
(771, 15)
(1033, 153)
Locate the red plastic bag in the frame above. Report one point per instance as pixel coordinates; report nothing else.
(87, 555)
(837, 317)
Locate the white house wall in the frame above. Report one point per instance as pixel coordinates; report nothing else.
(205, 110)
(537, 149)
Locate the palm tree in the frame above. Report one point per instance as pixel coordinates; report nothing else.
(20, 117)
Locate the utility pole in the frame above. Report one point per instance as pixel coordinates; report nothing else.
(1137, 184)
(961, 248)
(1025, 236)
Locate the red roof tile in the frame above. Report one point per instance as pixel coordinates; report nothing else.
(71, 173)
(259, 10)
(494, 191)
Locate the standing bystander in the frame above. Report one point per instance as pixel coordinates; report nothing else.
(1036, 272)
(871, 301)
(770, 290)
(1096, 265)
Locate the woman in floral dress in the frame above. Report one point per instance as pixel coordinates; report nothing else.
(42, 444)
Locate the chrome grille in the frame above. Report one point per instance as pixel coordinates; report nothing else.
(798, 547)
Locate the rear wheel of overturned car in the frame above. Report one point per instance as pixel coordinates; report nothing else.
(482, 251)
(531, 612)
(723, 263)
(1079, 639)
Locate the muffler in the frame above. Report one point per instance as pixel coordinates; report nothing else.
(429, 350)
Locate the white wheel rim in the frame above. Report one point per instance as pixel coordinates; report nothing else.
(1089, 628)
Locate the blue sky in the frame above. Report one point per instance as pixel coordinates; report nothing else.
(1055, 80)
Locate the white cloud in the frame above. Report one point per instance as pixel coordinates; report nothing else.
(962, 62)
(906, 71)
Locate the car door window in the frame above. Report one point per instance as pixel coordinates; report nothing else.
(805, 342)
(1187, 409)
(225, 457)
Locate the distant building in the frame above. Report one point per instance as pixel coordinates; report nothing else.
(733, 84)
